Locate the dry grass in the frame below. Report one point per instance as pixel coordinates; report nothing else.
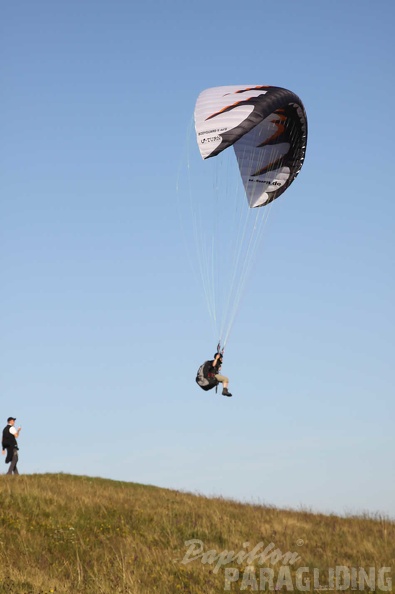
(69, 534)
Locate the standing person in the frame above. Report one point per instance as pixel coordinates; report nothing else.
(10, 444)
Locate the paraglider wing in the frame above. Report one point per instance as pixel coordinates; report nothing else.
(267, 127)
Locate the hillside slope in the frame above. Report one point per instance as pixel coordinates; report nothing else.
(74, 534)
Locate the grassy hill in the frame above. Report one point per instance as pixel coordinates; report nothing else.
(73, 534)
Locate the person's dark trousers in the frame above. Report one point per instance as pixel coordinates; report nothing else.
(12, 468)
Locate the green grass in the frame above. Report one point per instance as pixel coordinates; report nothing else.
(73, 534)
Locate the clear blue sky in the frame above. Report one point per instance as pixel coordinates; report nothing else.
(102, 324)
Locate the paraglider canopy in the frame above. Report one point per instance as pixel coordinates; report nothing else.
(267, 127)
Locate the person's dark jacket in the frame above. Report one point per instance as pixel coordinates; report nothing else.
(9, 443)
(209, 370)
